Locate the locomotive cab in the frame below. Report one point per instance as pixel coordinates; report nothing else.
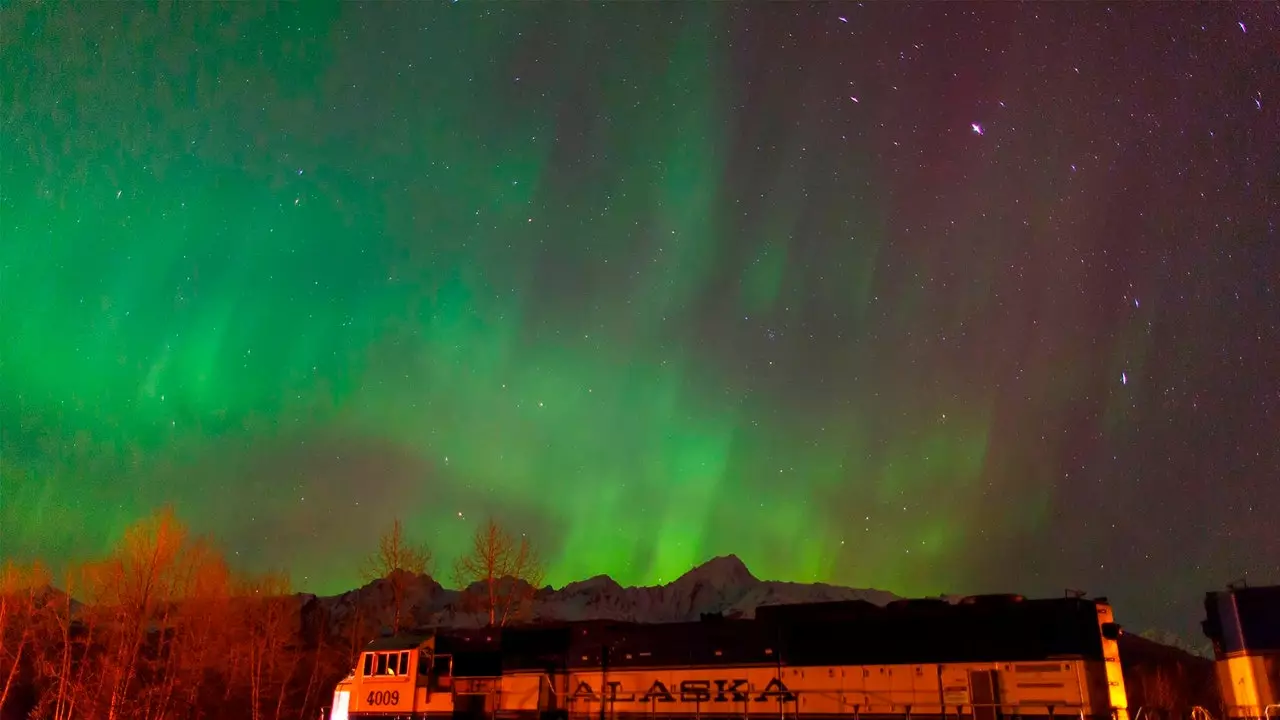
(395, 676)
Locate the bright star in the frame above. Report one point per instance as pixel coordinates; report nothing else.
(977, 129)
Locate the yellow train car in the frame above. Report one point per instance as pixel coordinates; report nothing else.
(986, 658)
(1244, 625)
(397, 677)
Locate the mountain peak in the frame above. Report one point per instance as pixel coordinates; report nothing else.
(722, 570)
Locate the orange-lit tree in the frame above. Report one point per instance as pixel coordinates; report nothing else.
(399, 561)
(23, 592)
(500, 575)
(138, 585)
(159, 629)
(269, 625)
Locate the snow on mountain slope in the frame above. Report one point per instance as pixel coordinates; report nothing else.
(721, 585)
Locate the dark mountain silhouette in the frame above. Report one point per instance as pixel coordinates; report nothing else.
(721, 585)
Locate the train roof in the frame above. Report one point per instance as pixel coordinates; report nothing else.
(402, 641)
(856, 633)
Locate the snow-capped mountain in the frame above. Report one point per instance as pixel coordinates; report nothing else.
(721, 585)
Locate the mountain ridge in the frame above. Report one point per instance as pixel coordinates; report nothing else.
(722, 585)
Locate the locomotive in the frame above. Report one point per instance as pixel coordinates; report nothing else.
(1244, 625)
(984, 657)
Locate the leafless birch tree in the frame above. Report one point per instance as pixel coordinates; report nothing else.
(500, 574)
(399, 561)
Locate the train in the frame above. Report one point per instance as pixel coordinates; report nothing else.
(1243, 624)
(987, 657)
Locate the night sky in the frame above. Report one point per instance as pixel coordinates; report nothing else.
(929, 298)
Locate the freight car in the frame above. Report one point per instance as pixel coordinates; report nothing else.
(986, 657)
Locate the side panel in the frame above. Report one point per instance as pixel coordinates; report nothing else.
(856, 690)
(384, 695)
(1034, 687)
(475, 697)
(955, 687)
(521, 692)
(433, 701)
(1249, 683)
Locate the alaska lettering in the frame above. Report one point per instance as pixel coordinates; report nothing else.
(657, 691)
(689, 691)
(614, 695)
(732, 687)
(775, 690)
(695, 691)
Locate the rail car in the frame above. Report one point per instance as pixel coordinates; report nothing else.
(986, 657)
(1244, 626)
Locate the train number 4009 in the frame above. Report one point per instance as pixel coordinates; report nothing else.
(383, 697)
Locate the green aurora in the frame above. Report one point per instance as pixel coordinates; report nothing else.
(600, 272)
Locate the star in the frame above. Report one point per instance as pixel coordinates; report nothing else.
(976, 127)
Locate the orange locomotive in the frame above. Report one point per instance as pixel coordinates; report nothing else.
(986, 657)
(1244, 625)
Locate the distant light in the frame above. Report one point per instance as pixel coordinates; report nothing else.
(977, 128)
(844, 19)
(1124, 379)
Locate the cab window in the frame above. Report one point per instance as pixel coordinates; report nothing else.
(440, 673)
(386, 663)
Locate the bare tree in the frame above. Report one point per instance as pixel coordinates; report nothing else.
(197, 633)
(139, 582)
(508, 572)
(269, 625)
(22, 588)
(399, 562)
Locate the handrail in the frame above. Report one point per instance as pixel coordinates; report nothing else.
(1064, 710)
(1266, 711)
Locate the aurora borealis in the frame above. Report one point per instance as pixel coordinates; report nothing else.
(928, 298)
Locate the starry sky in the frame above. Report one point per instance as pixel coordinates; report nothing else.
(929, 298)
